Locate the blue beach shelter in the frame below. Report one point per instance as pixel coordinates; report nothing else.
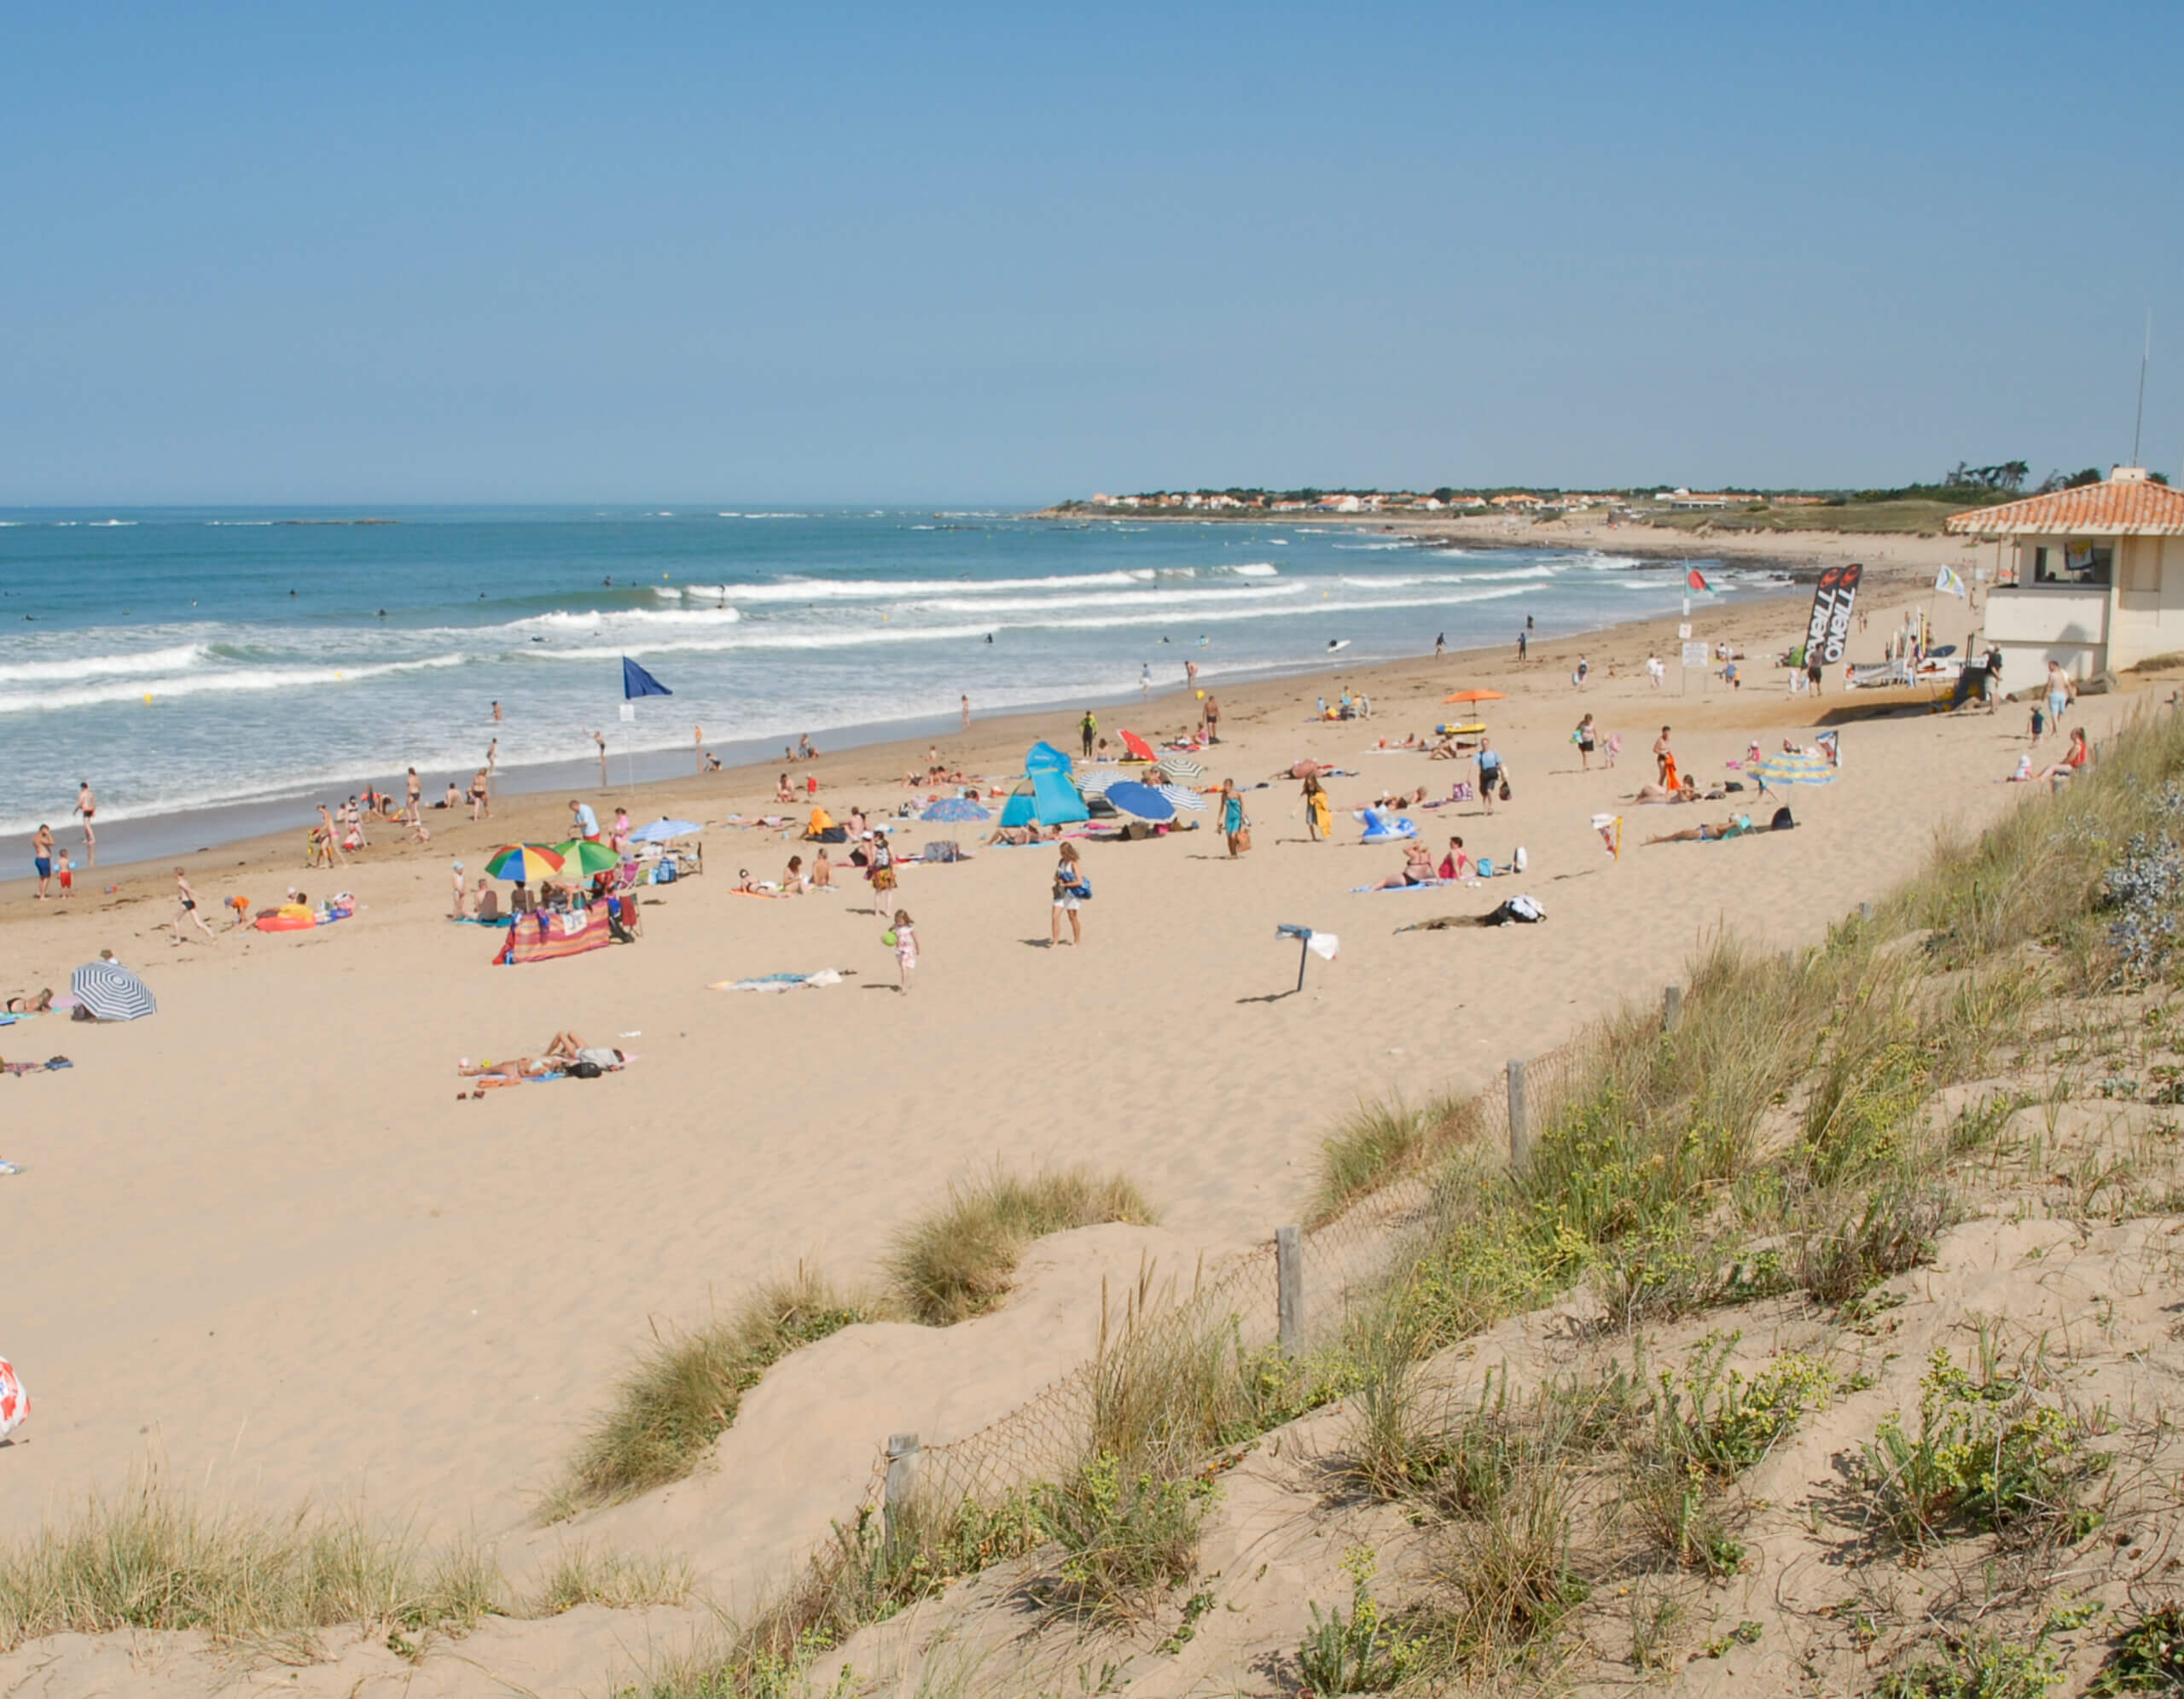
(1046, 795)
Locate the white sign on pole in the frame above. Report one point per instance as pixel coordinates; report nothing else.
(1683, 632)
(1694, 654)
(628, 711)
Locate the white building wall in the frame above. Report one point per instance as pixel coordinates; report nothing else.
(2149, 614)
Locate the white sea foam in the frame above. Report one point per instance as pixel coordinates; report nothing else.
(145, 663)
(897, 590)
(207, 683)
(1211, 601)
(1257, 568)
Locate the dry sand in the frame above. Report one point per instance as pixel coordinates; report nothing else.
(260, 1239)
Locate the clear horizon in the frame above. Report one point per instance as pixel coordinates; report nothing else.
(421, 258)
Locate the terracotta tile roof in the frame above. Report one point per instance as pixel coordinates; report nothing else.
(2115, 508)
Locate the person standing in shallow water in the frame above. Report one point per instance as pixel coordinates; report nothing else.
(87, 805)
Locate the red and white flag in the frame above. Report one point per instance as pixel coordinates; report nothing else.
(1696, 580)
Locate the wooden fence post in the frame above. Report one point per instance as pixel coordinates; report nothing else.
(1520, 1137)
(1289, 1288)
(1865, 913)
(1672, 1008)
(902, 1450)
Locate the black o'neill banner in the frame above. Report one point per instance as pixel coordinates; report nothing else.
(1829, 630)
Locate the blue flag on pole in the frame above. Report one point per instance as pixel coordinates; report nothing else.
(636, 681)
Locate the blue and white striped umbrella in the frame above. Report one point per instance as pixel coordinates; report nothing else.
(1092, 779)
(1178, 766)
(111, 992)
(1182, 796)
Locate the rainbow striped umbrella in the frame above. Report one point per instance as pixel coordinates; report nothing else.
(523, 863)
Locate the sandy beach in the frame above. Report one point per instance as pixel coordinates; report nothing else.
(263, 1240)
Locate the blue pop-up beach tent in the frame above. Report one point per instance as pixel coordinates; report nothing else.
(1046, 795)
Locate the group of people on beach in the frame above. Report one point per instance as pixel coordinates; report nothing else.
(52, 862)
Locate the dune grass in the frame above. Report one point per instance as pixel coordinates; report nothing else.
(584, 1575)
(954, 1262)
(959, 1261)
(1378, 1144)
(684, 1391)
(150, 1558)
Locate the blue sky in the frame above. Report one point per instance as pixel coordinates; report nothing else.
(433, 253)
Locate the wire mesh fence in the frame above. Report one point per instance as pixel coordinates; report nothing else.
(1235, 1300)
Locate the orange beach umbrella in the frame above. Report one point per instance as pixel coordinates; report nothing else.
(1472, 696)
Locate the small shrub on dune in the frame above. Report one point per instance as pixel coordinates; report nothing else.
(959, 1261)
(684, 1392)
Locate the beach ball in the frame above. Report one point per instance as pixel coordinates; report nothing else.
(148, 699)
(15, 1402)
(1201, 695)
(887, 938)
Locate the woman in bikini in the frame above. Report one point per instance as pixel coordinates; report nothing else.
(1417, 869)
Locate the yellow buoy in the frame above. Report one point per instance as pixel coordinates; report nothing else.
(147, 698)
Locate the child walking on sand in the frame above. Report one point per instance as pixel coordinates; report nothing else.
(64, 869)
(903, 936)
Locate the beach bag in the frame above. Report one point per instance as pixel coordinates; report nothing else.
(1243, 840)
(1505, 786)
(1782, 822)
(585, 1070)
(666, 874)
(1517, 861)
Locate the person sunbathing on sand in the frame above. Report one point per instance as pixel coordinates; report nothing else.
(1704, 833)
(822, 871)
(792, 878)
(1417, 869)
(1687, 791)
(30, 1005)
(1032, 834)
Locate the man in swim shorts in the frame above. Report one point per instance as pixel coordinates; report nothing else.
(88, 805)
(42, 857)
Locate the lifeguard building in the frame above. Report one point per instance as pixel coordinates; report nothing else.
(2098, 579)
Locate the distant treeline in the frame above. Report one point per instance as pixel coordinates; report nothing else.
(1965, 485)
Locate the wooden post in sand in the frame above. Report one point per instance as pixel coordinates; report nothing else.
(1672, 1008)
(1520, 1137)
(1865, 913)
(1289, 1288)
(902, 1450)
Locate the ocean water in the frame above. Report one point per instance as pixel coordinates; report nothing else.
(199, 660)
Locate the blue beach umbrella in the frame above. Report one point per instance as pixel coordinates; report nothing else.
(1129, 797)
(956, 808)
(659, 831)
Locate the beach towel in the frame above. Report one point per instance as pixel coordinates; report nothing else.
(1398, 890)
(776, 983)
(535, 943)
